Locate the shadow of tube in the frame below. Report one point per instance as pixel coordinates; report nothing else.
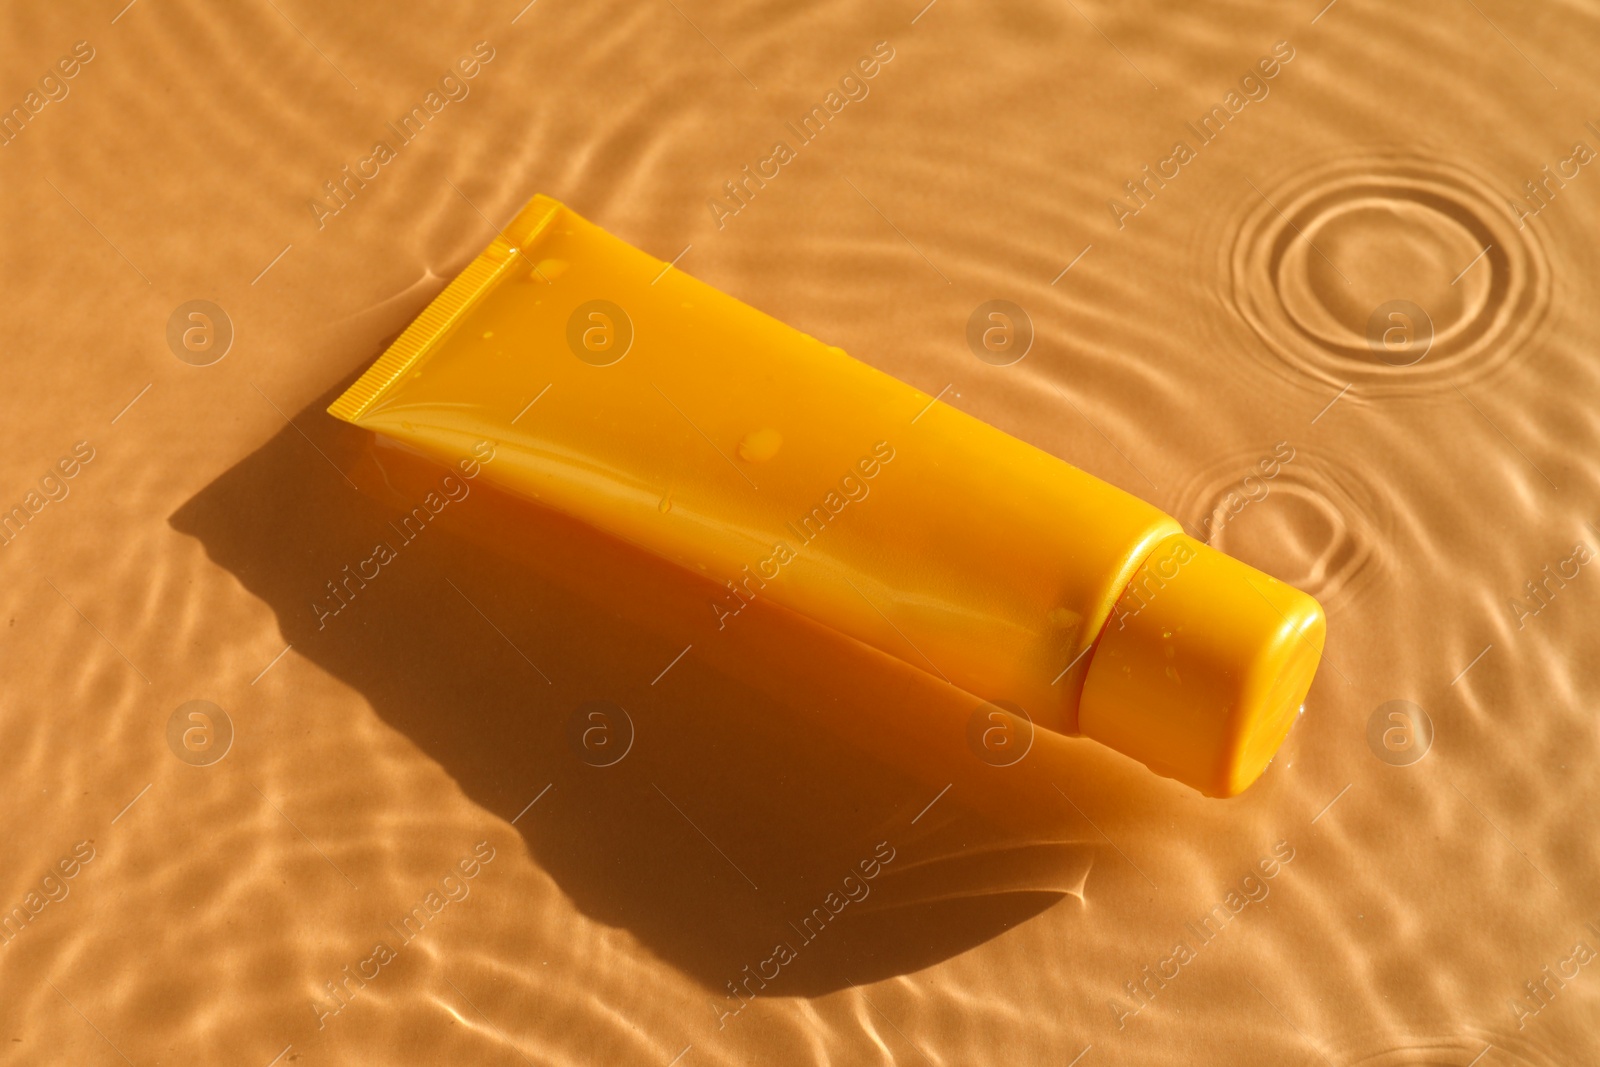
(738, 781)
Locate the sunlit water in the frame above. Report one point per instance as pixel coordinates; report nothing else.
(1221, 343)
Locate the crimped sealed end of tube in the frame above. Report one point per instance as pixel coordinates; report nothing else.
(447, 309)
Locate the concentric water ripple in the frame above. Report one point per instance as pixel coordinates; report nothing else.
(1306, 520)
(1399, 274)
(1456, 1050)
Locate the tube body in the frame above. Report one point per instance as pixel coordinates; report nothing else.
(666, 413)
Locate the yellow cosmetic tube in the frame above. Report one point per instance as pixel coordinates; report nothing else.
(651, 406)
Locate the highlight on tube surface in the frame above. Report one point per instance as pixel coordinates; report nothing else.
(1174, 654)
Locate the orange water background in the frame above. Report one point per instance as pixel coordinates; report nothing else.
(1176, 347)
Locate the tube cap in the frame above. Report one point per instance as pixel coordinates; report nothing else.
(1202, 668)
